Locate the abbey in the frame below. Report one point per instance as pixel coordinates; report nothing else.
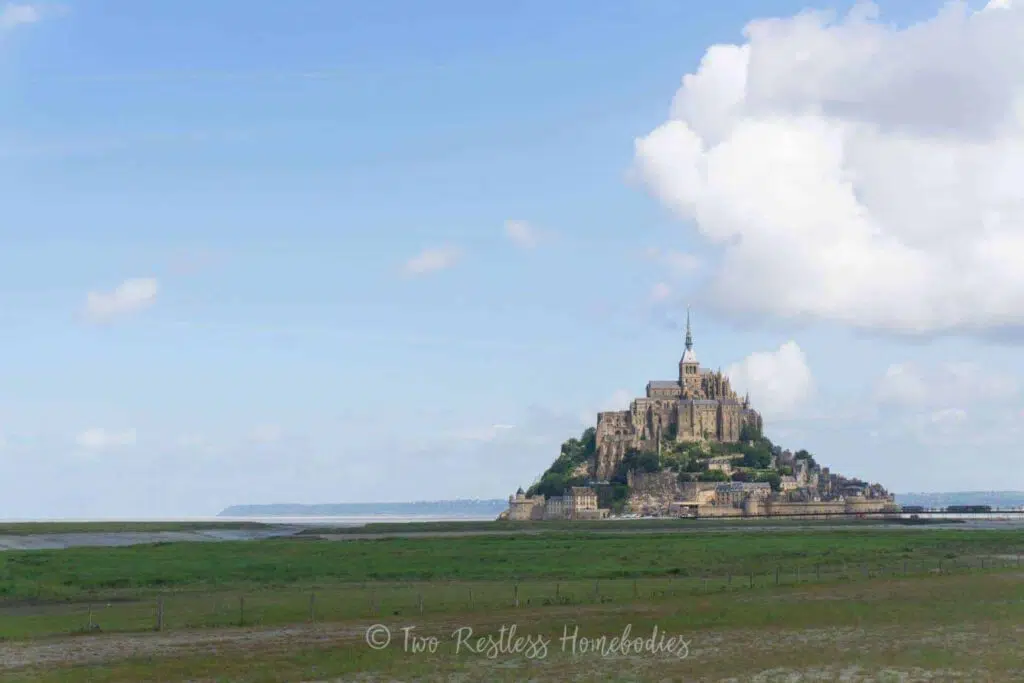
(699, 405)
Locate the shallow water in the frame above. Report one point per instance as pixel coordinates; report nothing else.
(279, 526)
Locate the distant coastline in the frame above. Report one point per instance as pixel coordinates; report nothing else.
(452, 509)
(1000, 499)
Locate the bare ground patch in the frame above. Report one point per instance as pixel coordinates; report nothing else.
(92, 649)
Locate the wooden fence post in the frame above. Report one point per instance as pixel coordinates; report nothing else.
(776, 576)
(634, 589)
(419, 597)
(160, 615)
(312, 606)
(471, 597)
(558, 592)
(515, 595)
(241, 610)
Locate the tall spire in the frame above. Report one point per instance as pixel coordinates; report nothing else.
(689, 335)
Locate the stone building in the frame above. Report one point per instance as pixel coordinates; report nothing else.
(723, 463)
(522, 507)
(556, 507)
(579, 502)
(700, 404)
(736, 493)
(582, 500)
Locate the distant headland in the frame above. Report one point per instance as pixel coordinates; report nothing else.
(454, 509)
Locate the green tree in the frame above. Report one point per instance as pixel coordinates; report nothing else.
(804, 455)
(695, 465)
(713, 475)
(773, 480)
(749, 432)
(756, 455)
(573, 453)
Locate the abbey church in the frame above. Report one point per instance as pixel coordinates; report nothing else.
(699, 405)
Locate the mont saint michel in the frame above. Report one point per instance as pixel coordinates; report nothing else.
(699, 405)
(691, 446)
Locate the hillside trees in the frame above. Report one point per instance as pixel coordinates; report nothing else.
(560, 475)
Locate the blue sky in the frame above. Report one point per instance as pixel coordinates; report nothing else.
(268, 173)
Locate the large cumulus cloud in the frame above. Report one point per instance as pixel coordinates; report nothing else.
(856, 172)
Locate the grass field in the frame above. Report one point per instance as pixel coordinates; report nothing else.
(800, 600)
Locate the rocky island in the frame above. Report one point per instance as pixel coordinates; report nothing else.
(690, 447)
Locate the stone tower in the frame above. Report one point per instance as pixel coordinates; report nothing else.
(689, 368)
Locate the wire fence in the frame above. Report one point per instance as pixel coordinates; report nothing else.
(283, 606)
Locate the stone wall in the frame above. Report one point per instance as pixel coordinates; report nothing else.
(521, 508)
(692, 490)
(719, 511)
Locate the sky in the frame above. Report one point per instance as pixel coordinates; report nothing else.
(354, 252)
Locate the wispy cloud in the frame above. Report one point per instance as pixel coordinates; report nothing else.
(489, 433)
(522, 234)
(192, 261)
(433, 260)
(14, 14)
(129, 297)
(678, 263)
(660, 292)
(99, 439)
(269, 433)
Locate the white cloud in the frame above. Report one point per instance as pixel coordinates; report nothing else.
(433, 260)
(911, 386)
(857, 172)
(14, 14)
(948, 416)
(488, 433)
(128, 297)
(522, 234)
(98, 439)
(660, 292)
(779, 382)
(267, 433)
